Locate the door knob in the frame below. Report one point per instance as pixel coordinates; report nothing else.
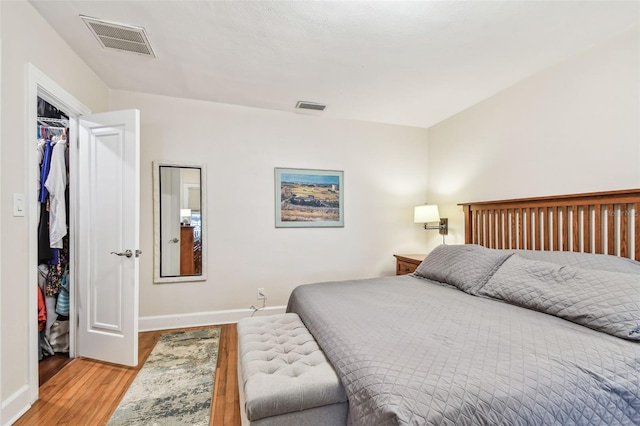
(126, 253)
(174, 240)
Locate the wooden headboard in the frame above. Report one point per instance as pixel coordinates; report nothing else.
(597, 222)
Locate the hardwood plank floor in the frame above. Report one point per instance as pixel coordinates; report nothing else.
(87, 392)
(50, 365)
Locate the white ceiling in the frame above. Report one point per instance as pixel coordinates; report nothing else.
(410, 63)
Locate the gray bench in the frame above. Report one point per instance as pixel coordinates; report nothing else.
(283, 376)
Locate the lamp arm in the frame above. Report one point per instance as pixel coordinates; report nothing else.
(443, 227)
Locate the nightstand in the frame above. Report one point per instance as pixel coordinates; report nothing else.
(407, 263)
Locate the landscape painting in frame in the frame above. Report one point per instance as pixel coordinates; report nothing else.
(309, 198)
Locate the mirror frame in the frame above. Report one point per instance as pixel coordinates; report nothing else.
(157, 278)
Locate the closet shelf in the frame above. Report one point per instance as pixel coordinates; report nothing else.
(53, 122)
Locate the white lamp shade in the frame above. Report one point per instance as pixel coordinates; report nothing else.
(185, 213)
(426, 214)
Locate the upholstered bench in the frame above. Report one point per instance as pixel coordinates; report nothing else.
(283, 376)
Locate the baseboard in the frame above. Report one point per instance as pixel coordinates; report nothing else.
(166, 322)
(15, 406)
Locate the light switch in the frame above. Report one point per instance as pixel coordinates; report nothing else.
(18, 205)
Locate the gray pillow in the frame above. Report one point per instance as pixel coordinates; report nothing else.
(467, 267)
(602, 262)
(602, 300)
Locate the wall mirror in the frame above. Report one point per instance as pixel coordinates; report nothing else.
(179, 204)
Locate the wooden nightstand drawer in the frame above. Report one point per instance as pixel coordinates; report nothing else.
(403, 268)
(407, 263)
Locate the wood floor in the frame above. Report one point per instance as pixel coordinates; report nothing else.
(87, 392)
(49, 366)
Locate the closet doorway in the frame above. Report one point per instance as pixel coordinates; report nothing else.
(103, 230)
(45, 97)
(53, 239)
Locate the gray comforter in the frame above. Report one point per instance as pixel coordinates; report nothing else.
(413, 351)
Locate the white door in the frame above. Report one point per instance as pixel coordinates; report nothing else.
(108, 236)
(170, 221)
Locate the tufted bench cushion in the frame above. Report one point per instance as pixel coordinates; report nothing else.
(284, 377)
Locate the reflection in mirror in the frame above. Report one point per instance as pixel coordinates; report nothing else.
(179, 225)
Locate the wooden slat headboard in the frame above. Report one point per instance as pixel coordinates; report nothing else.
(597, 222)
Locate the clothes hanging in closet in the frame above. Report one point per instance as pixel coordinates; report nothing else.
(53, 241)
(53, 248)
(56, 183)
(45, 253)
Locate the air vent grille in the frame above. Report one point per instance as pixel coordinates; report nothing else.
(110, 31)
(310, 105)
(123, 38)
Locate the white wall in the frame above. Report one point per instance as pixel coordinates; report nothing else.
(384, 177)
(573, 128)
(26, 38)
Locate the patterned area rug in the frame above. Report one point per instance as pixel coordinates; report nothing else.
(175, 384)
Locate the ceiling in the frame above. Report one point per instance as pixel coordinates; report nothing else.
(409, 63)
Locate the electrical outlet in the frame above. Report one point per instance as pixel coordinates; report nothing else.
(261, 295)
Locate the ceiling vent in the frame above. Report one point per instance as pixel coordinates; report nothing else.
(123, 38)
(310, 106)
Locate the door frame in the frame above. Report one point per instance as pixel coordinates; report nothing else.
(39, 84)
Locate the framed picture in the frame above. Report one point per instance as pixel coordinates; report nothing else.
(309, 198)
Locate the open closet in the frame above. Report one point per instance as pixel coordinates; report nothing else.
(53, 239)
(83, 282)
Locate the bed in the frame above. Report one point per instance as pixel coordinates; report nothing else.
(536, 320)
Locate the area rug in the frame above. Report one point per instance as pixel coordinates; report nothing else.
(175, 384)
